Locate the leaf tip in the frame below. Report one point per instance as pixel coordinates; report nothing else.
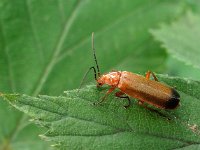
(10, 97)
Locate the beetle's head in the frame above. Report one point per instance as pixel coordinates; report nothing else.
(111, 78)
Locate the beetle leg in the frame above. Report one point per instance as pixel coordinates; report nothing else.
(151, 73)
(141, 103)
(103, 98)
(120, 95)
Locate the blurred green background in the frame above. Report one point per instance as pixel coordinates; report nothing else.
(45, 48)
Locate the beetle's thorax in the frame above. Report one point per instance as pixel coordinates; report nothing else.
(111, 78)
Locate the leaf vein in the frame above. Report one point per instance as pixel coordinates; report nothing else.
(57, 49)
(40, 108)
(102, 29)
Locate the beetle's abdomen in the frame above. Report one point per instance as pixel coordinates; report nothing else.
(149, 91)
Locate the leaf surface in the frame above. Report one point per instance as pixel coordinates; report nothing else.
(181, 38)
(73, 121)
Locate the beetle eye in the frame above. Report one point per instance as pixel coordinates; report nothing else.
(99, 84)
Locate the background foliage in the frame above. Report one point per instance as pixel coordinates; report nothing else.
(45, 49)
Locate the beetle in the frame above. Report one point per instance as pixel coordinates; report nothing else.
(133, 85)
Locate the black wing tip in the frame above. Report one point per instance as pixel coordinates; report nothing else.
(175, 94)
(173, 102)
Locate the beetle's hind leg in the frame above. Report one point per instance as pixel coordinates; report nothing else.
(151, 73)
(122, 95)
(141, 103)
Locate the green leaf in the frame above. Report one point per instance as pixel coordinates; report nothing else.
(181, 38)
(73, 121)
(45, 48)
(180, 69)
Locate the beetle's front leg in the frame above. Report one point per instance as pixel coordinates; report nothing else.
(104, 97)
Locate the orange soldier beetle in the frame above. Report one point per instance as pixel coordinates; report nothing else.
(130, 84)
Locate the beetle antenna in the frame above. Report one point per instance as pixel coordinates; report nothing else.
(94, 69)
(95, 58)
(85, 75)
